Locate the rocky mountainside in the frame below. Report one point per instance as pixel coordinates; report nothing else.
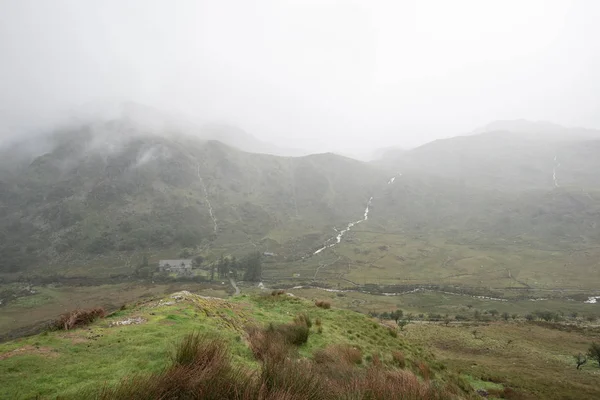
(112, 187)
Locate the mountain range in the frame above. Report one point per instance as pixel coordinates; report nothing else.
(88, 196)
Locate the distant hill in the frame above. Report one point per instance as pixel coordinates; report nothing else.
(92, 195)
(508, 155)
(113, 188)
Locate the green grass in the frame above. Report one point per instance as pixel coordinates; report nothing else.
(49, 302)
(64, 363)
(531, 359)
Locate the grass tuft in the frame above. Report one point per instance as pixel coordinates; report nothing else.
(78, 318)
(323, 304)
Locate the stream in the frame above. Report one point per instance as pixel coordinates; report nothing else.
(554, 172)
(341, 233)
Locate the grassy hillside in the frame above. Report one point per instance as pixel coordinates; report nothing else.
(110, 192)
(115, 356)
(138, 340)
(508, 160)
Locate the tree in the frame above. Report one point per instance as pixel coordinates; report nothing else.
(396, 315)
(143, 269)
(594, 352)
(529, 317)
(212, 271)
(494, 313)
(580, 359)
(447, 320)
(223, 267)
(477, 315)
(402, 323)
(505, 316)
(198, 260)
(234, 266)
(253, 267)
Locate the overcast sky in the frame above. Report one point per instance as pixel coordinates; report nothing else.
(334, 75)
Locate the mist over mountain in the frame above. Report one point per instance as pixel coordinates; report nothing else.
(140, 179)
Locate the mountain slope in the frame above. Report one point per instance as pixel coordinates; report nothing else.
(519, 159)
(112, 188)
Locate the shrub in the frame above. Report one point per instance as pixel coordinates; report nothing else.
(200, 369)
(339, 353)
(318, 322)
(278, 292)
(393, 333)
(274, 342)
(267, 344)
(379, 384)
(529, 317)
(376, 361)
(77, 318)
(294, 334)
(303, 319)
(323, 304)
(423, 370)
(594, 352)
(290, 380)
(398, 359)
(199, 350)
(435, 317)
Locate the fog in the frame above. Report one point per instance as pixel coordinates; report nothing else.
(345, 76)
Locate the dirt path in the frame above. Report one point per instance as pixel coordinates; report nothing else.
(237, 289)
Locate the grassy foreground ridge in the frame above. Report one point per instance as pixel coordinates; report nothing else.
(273, 346)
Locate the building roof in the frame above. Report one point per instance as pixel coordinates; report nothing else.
(175, 263)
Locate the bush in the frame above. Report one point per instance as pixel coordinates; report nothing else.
(303, 319)
(323, 304)
(393, 333)
(199, 350)
(78, 318)
(423, 370)
(274, 342)
(380, 384)
(294, 334)
(334, 354)
(529, 317)
(290, 379)
(398, 359)
(266, 344)
(435, 317)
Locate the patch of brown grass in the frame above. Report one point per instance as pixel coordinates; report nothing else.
(398, 359)
(78, 318)
(266, 344)
(323, 304)
(380, 384)
(423, 370)
(28, 349)
(339, 353)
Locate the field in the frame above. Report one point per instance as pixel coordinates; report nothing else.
(520, 269)
(534, 360)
